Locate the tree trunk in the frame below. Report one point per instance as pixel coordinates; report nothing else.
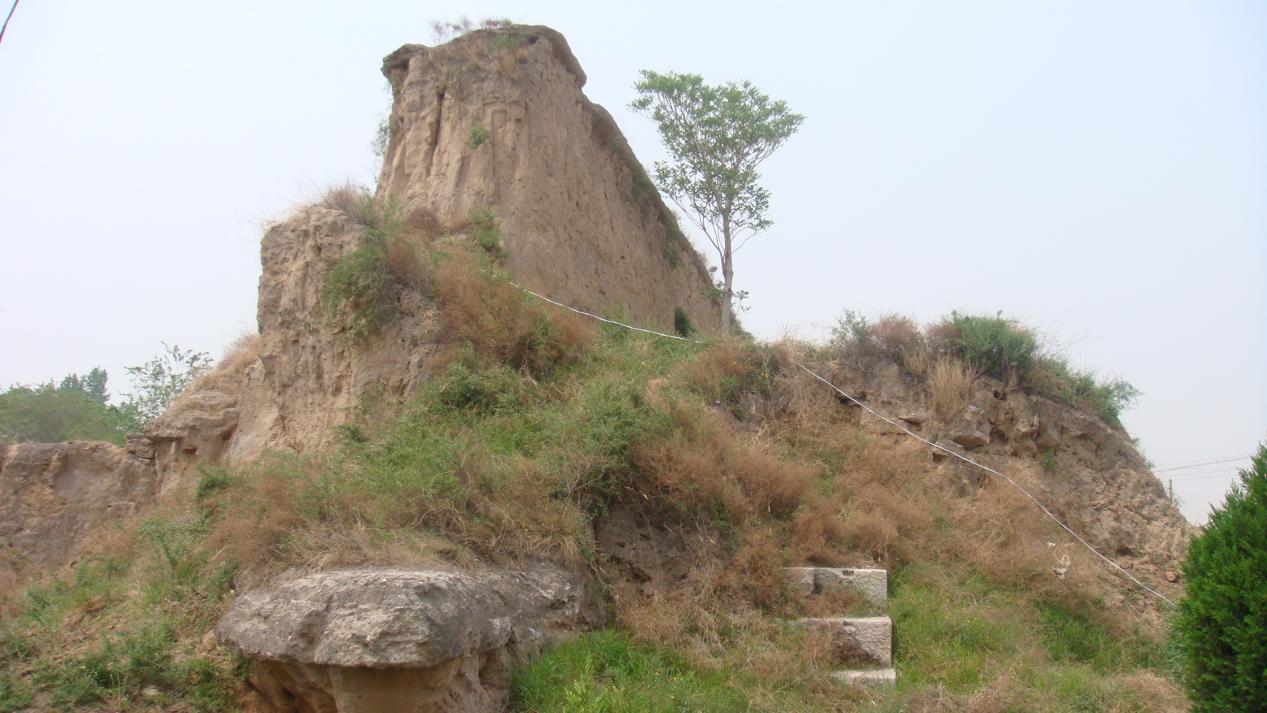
(728, 276)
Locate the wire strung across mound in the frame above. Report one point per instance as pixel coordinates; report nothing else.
(891, 422)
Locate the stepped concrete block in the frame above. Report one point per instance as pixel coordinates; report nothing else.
(874, 677)
(872, 584)
(864, 639)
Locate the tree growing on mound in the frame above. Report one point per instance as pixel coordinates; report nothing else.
(717, 136)
(1223, 619)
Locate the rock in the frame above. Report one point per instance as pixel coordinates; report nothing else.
(970, 429)
(916, 417)
(54, 497)
(364, 640)
(579, 219)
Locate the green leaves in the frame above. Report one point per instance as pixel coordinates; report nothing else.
(717, 136)
(160, 380)
(1222, 622)
(74, 409)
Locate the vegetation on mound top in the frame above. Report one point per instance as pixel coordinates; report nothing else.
(536, 427)
(979, 345)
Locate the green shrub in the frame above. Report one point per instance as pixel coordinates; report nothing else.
(1048, 460)
(682, 323)
(1054, 378)
(606, 672)
(479, 135)
(1222, 621)
(359, 291)
(485, 232)
(995, 346)
(356, 290)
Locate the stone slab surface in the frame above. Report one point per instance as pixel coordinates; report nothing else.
(874, 677)
(866, 639)
(872, 584)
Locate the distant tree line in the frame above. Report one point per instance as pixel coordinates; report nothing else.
(78, 406)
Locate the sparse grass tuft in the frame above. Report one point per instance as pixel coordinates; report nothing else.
(950, 386)
(485, 232)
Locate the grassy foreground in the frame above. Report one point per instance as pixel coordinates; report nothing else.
(536, 427)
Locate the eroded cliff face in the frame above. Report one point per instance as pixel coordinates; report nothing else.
(54, 496)
(496, 120)
(304, 375)
(1087, 473)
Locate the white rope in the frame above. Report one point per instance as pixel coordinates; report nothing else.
(899, 426)
(604, 319)
(991, 471)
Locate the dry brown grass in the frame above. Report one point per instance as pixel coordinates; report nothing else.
(897, 336)
(496, 319)
(702, 464)
(227, 376)
(406, 264)
(353, 201)
(949, 386)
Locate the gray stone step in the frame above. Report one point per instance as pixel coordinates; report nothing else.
(863, 639)
(874, 676)
(872, 584)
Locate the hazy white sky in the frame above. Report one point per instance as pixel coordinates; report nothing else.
(1098, 170)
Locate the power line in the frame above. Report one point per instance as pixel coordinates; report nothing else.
(8, 17)
(897, 425)
(1224, 476)
(1198, 465)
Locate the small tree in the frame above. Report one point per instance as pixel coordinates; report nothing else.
(1222, 623)
(717, 136)
(160, 380)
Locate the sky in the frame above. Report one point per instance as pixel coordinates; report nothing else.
(1096, 170)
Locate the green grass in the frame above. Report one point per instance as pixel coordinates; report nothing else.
(948, 633)
(124, 665)
(113, 672)
(1070, 635)
(605, 672)
(486, 233)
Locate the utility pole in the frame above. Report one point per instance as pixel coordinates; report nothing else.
(1171, 490)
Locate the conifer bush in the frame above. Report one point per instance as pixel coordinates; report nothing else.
(1222, 622)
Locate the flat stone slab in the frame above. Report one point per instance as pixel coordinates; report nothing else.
(872, 677)
(387, 618)
(872, 584)
(865, 639)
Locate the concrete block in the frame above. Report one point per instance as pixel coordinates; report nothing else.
(872, 677)
(866, 639)
(872, 584)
